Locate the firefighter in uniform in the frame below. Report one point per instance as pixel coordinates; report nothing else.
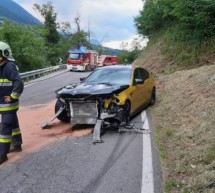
(11, 87)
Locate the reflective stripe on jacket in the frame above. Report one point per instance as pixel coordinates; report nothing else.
(10, 85)
(5, 138)
(16, 132)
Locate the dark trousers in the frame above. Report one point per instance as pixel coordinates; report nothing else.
(9, 132)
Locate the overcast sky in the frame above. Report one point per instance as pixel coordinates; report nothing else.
(109, 21)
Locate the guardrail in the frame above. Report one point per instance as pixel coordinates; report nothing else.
(31, 75)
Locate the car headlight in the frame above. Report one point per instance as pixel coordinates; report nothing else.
(113, 108)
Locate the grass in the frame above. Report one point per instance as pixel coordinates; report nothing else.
(210, 155)
(171, 185)
(183, 116)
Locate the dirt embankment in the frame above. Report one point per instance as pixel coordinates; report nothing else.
(183, 118)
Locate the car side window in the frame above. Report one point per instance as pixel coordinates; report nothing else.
(144, 74)
(137, 74)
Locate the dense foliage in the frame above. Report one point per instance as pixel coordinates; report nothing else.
(31, 50)
(27, 49)
(194, 18)
(127, 57)
(185, 28)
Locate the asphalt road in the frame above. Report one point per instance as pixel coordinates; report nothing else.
(75, 165)
(42, 90)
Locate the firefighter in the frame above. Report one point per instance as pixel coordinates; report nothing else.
(11, 87)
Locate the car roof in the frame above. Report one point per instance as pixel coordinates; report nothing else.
(121, 66)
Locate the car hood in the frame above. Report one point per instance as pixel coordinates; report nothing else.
(90, 90)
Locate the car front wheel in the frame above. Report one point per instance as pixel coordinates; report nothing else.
(126, 112)
(63, 115)
(87, 68)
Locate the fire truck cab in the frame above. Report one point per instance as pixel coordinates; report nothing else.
(79, 60)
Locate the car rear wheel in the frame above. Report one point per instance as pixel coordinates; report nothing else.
(153, 97)
(63, 115)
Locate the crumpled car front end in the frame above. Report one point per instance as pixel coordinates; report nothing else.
(83, 112)
(86, 103)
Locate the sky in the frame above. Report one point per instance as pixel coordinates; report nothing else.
(110, 21)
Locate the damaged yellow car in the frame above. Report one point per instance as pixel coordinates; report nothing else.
(108, 97)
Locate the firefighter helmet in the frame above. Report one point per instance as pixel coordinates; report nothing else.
(5, 51)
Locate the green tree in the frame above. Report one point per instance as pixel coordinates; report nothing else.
(28, 50)
(57, 43)
(48, 13)
(79, 39)
(194, 18)
(150, 18)
(123, 58)
(49, 31)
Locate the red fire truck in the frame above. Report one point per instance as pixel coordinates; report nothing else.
(82, 60)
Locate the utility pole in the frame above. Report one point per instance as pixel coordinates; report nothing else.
(89, 30)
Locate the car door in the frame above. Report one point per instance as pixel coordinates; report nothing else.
(136, 91)
(108, 61)
(147, 85)
(141, 91)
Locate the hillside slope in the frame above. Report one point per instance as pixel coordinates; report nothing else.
(11, 10)
(183, 118)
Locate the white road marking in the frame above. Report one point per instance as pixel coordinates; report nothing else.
(147, 168)
(145, 121)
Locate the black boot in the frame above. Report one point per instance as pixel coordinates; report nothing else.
(3, 158)
(16, 148)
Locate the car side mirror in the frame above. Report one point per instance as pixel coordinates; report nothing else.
(138, 81)
(81, 79)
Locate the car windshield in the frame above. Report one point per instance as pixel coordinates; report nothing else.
(75, 56)
(101, 58)
(116, 76)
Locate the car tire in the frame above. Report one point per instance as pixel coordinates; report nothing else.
(153, 97)
(87, 69)
(126, 112)
(63, 115)
(94, 68)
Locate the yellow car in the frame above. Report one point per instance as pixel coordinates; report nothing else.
(108, 97)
